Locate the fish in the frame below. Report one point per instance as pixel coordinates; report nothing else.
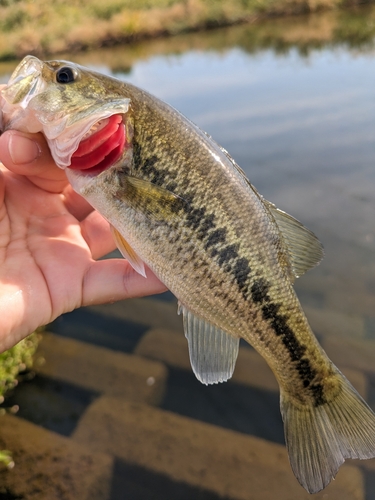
(179, 205)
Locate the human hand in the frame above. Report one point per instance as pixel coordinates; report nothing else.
(50, 238)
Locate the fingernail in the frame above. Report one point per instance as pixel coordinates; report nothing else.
(22, 149)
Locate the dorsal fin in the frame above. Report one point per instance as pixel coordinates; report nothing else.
(304, 249)
(213, 352)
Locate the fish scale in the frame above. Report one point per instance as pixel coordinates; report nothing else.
(179, 203)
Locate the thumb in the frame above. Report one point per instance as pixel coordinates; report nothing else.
(18, 150)
(29, 155)
(2, 188)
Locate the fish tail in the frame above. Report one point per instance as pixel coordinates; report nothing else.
(320, 437)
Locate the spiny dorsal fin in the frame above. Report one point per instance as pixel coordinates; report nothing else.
(213, 352)
(304, 249)
(128, 253)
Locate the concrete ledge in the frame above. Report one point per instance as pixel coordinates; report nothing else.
(100, 369)
(50, 467)
(228, 463)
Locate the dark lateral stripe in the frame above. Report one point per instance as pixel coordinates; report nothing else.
(259, 291)
(296, 350)
(152, 169)
(227, 254)
(216, 237)
(241, 272)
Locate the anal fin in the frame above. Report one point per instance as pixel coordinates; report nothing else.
(213, 352)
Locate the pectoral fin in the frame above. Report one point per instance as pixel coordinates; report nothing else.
(155, 202)
(128, 253)
(213, 352)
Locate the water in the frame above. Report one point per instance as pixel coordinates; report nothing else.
(295, 108)
(293, 101)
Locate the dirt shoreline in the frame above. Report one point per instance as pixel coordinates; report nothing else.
(35, 27)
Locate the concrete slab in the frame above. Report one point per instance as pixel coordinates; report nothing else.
(100, 369)
(51, 467)
(354, 353)
(231, 464)
(326, 321)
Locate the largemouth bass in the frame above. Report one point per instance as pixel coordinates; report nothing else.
(180, 204)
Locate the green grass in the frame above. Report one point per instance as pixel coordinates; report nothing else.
(12, 363)
(15, 361)
(43, 28)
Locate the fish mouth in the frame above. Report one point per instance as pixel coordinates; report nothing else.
(101, 146)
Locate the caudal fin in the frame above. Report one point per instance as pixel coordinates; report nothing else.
(320, 438)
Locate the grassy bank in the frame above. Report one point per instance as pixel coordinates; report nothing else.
(42, 28)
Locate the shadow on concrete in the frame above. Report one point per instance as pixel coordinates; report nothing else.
(131, 482)
(52, 404)
(230, 405)
(101, 330)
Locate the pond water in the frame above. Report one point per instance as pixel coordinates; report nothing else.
(293, 101)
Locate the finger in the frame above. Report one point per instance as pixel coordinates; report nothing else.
(97, 234)
(2, 192)
(75, 204)
(115, 279)
(29, 155)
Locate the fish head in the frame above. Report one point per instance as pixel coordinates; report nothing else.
(83, 115)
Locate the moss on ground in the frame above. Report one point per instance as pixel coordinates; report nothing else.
(12, 363)
(15, 361)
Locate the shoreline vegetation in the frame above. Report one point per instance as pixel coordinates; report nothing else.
(46, 28)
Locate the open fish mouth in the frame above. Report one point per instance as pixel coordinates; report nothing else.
(85, 133)
(101, 146)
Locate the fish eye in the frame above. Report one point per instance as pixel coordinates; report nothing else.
(66, 75)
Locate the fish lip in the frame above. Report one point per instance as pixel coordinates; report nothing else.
(24, 83)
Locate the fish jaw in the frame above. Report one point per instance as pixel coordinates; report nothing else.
(24, 84)
(77, 130)
(65, 141)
